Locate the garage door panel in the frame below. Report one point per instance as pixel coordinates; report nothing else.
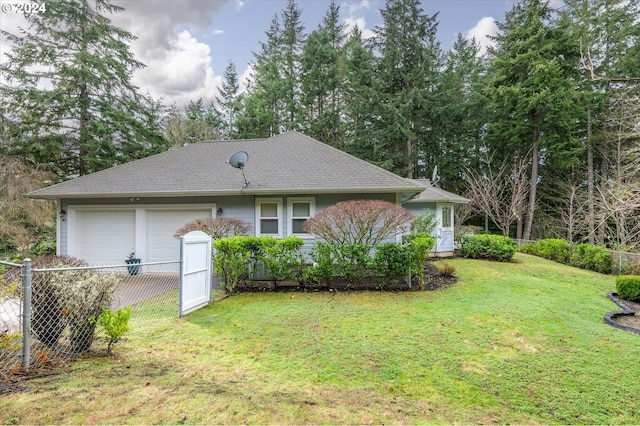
(161, 227)
(105, 237)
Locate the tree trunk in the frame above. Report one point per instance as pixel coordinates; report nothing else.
(534, 184)
(590, 182)
(409, 162)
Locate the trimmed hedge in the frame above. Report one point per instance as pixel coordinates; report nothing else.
(628, 287)
(594, 258)
(240, 259)
(490, 247)
(554, 249)
(585, 256)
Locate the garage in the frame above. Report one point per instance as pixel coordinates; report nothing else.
(106, 237)
(161, 227)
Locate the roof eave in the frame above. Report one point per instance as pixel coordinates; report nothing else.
(246, 191)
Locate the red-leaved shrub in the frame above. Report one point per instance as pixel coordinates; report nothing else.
(359, 222)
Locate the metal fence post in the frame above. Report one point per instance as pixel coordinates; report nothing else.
(619, 263)
(26, 319)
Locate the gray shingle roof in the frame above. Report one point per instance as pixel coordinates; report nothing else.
(284, 164)
(433, 193)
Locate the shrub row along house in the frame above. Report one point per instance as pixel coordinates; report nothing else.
(138, 206)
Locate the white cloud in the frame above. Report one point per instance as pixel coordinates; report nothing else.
(485, 27)
(361, 23)
(358, 6)
(179, 67)
(182, 73)
(218, 32)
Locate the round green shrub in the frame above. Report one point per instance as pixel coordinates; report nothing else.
(554, 249)
(628, 287)
(594, 258)
(487, 246)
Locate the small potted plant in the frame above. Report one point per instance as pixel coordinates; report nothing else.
(133, 260)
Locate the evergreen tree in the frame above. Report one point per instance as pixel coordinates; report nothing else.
(361, 98)
(292, 43)
(407, 71)
(261, 114)
(322, 62)
(533, 90)
(68, 92)
(608, 34)
(460, 113)
(229, 101)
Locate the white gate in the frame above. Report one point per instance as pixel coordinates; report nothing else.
(195, 271)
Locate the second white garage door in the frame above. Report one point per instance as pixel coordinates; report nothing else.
(161, 226)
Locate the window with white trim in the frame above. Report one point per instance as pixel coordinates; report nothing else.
(446, 217)
(299, 210)
(269, 216)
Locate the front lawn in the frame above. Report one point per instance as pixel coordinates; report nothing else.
(519, 342)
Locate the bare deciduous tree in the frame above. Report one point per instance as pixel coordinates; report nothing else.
(499, 192)
(619, 196)
(216, 227)
(20, 217)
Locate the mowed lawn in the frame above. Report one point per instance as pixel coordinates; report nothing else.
(521, 342)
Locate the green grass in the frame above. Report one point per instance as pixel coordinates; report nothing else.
(519, 342)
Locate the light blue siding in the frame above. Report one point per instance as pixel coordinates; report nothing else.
(238, 207)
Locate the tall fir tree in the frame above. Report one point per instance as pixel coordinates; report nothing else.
(533, 91)
(229, 102)
(322, 74)
(292, 42)
(361, 98)
(461, 112)
(608, 34)
(68, 91)
(261, 114)
(409, 61)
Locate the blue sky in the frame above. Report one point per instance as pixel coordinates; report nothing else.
(186, 44)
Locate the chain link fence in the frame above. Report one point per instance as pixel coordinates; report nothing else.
(10, 317)
(49, 314)
(625, 263)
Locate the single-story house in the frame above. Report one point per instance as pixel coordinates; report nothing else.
(441, 204)
(138, 206)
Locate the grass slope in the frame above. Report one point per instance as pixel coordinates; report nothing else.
(520, 342)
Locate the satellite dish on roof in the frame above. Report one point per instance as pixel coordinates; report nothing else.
(434, 176)
(238, 161)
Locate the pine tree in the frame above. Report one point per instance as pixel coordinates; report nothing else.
(533, 90)
(229, 102)
(407, 70)
(608, 34)
(68, 91)
(361, 98)
(322, 62)
(461, 113)
(261, 113)
(292, 43)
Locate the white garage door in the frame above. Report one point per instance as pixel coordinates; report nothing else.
(105, 237)
(161, 227)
